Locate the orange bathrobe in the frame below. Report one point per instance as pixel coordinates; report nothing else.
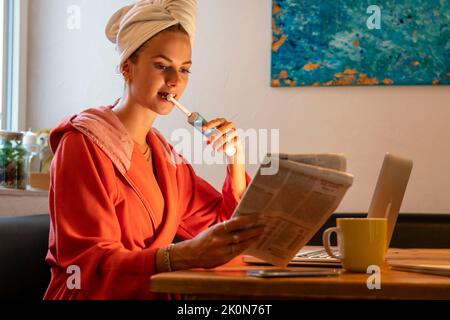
(110, 211)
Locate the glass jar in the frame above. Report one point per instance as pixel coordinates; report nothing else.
(13, 161)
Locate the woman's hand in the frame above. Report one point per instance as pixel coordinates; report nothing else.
(217, 245)
(227, 139)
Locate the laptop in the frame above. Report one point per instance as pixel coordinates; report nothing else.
(386, 202)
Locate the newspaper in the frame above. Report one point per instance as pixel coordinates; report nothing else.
(295, 202)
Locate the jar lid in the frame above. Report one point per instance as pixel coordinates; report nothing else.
(29, 138)
(8, 135)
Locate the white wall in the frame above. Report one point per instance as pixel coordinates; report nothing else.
(72, 70)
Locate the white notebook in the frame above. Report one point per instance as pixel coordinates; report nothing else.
(442, 270)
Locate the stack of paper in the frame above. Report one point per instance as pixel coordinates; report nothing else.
(442, 270)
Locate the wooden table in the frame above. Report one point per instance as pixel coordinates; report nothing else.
(231, 282)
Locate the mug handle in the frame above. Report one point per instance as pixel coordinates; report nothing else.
(327, 243)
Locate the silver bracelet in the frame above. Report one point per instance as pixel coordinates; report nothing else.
(167, 262)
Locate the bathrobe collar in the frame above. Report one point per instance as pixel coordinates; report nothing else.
(103, 127)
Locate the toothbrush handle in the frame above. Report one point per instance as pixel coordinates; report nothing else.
(197, 121)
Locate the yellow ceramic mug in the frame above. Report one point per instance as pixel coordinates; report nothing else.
(362, 242)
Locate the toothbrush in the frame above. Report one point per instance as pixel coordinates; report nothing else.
(197, 121)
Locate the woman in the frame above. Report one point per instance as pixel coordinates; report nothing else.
(120, 194)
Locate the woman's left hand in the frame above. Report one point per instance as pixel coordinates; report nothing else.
(226, 140)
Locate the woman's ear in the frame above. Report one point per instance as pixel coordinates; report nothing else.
(126, 70)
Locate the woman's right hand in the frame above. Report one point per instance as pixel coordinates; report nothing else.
(218, 244)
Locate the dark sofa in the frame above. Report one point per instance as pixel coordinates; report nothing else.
(411, 230)
(23, 246)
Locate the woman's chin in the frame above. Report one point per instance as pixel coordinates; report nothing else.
(165, 109)
(162, 108)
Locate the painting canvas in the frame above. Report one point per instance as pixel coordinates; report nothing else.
(360, 42)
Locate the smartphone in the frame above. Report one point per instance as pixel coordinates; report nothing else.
(278, 273)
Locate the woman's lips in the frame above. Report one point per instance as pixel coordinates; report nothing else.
(164, 100)
(165, 94)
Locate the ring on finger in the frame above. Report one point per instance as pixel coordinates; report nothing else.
(235, 239)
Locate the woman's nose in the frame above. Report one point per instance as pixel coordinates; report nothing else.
(173, 78)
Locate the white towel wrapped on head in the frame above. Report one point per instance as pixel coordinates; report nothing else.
(130, 27)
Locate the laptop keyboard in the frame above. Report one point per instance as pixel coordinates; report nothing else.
(315, 254)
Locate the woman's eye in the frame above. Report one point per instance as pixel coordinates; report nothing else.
(160, 67)
(165, 68)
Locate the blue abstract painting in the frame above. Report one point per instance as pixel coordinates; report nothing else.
(360, 42)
